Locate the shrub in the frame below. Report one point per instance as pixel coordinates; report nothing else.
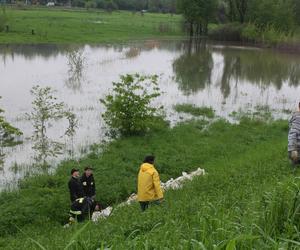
(227, 32)
(128, 109)
(250, 33)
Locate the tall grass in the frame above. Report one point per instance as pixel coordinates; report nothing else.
(248, 200)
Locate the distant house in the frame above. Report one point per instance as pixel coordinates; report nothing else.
(49, 4)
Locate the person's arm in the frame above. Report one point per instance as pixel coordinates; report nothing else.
(157, 187)
(93, 189)
(73, 190)
(292, 136)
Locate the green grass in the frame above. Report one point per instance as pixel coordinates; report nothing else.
(248, 199)
(71, 26)
(194, 110)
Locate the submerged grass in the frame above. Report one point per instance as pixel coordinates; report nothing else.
(35, 25)
(194, 110)
(248, 200)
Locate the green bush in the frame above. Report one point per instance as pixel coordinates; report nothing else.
(227, 32)
(128, 108)
(250, 33)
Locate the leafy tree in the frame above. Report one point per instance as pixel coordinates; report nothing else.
(278, 14)
(197, 13)
(128, 108)
(7, 133)
(296, 4)
(46, 109)
(237, 10)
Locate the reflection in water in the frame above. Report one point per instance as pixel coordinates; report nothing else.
(193, 68)
(133, 52)
(32, 51)
(261, 68)
(76, 61)
(224, 77)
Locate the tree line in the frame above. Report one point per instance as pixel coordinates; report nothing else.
(281, 15)
(162, 6)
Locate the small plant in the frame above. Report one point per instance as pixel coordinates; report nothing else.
(195, 111)
(76, 62)
(45, 110)
(7, 131)
(128, 109)
(7, 134)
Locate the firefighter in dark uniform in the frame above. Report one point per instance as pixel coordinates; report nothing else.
(81, 205)
(75, 186)
(88, 183)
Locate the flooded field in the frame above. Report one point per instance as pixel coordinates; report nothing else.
(226, 78)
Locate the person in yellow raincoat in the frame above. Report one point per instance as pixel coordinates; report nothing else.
(149, 189)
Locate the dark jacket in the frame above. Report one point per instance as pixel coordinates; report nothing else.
(88, 184)
(76, 190)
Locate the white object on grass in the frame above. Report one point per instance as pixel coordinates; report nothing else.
(170, 184)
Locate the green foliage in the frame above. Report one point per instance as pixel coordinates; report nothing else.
(250, 33)
(226, 208)
(46, 109)
(198, 13)
(278, 14)
(8, 134)
(264, 21)
(196, 111)
(129, 109)
(7, 131)
(227, 32)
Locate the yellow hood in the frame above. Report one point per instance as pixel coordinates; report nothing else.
(149, 183)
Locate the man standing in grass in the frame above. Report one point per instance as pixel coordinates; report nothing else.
(149, 189)
(88, 183)
(75, 186)
(294, 137)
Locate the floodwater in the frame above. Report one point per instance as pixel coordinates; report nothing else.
(227, 78)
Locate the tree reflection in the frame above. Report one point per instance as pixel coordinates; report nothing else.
(32, 51)
(193, 68)
(76, 62)
(263, 68)
(132, 52)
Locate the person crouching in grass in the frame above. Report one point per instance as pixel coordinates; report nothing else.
(149, 189)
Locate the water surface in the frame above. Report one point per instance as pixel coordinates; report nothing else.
(227, 78)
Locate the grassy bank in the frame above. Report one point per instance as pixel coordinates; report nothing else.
(249, 197)
(71, 26)
(249, 34)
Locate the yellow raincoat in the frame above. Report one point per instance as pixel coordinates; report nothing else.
(149, 188)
